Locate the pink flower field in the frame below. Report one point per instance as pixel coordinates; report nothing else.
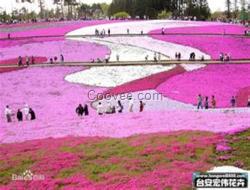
(237, 47)
(48, 29)
(216, 29)
(71, 50)
(40, 86)
(51, 46)
(154, 149)
(131, 163)
(222, 81)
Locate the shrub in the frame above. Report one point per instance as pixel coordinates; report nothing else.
(121, 15)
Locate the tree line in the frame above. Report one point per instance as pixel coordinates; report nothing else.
(238, 9)
(152, 8)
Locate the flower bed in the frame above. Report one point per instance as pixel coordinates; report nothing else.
(71, 50)
(49, 29)
(215, 29)
(154, 161)
(242, 97)
(223, 81)
(14, 62)
(147, 83)
(54, 101)
(52, 46)
(161, 160)
(113, 76)
(237, 47)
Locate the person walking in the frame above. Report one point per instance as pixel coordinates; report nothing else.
(26, 110)
(162, 31)
(159, 56)
(179, 56)
(20, 61)
(127, 31)
(62, 58)
(19, 115)
(86, 110)
(131, 104)
(32, 114)
(248, 101)
(233, 101)
(8, 114)
(213, 102)
(142, 105)
(32, 60)
(221, 56)
(99, 109)
(120, 106)
(51, 61)
(27, 61)
(79, 110)
(117, 57)
(199, 104)
(108, 108)
(206, 103)
(155, 57)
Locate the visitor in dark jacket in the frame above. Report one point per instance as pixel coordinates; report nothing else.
(19, 115)
(79, 110)
(86, 110)
(32, 114)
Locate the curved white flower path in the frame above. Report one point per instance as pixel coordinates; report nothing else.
(113, 76)
(135, 27)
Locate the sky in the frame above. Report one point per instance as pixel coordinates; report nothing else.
(8, 5)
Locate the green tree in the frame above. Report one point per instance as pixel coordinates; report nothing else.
(164, 14)
(121, 15)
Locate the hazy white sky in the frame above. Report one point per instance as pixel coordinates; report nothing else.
(8, 5)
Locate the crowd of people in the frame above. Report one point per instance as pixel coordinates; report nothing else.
(109, 108)
(224, 56)
(102, 33)
(28, 60)
(118, 108)
(31, 60)
(26, 113)
(203, 102)
(55, 59)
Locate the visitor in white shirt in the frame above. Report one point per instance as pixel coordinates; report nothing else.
(8, 113)
(130, 104)
(100, 109)
(25, 111)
